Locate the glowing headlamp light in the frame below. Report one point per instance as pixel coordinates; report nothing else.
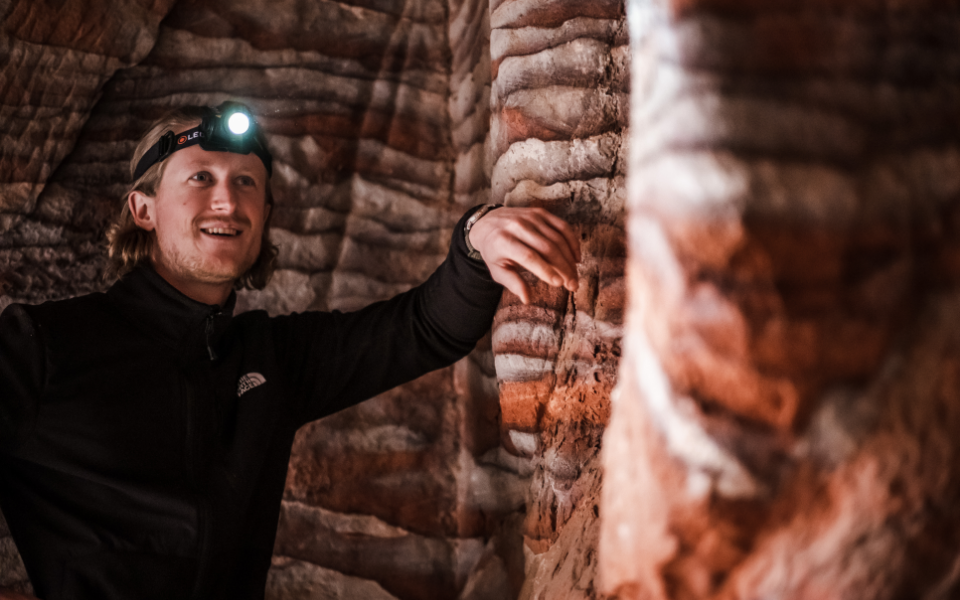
(227, 128)
(238, 123)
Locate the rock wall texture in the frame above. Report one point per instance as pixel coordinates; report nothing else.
(789, 388)
(386, 120)
(559, 101)
(56, 59)
(12, 572)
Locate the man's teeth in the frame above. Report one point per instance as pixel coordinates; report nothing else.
(221, 231)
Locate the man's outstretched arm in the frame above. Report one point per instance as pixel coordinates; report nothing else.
(334, 360)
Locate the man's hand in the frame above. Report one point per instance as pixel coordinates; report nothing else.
(530, 238)
(8, 594)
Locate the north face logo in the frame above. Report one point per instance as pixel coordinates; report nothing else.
(248, 382)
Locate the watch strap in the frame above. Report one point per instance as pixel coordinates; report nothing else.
(471, 251)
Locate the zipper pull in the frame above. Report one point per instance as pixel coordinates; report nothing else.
(208, 330)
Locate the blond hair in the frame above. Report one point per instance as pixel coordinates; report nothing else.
(128, 245)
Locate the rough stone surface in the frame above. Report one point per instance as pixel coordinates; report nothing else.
(568, 568)
(788, 391)
(74, 48)
(405, 564)
(57, 58)
(12, 572)
(557, 141)
(294, 579)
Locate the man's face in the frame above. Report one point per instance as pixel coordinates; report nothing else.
(208, 215)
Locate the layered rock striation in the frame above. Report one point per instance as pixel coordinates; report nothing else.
(557, 135)
(56, 60)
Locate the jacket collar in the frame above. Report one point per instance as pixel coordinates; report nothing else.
(164, 313)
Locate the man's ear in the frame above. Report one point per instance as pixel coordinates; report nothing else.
(143, 210)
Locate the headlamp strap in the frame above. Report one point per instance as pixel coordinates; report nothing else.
(166, 146)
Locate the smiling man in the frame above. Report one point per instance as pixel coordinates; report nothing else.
(145, 432)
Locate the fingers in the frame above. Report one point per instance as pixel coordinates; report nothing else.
(512, 281)
(561, 226)
(540, 242)
(553, 247)
(518, 253)
(559, 242)
(528, 238)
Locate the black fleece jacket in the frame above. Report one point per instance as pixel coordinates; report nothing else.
(144, 437)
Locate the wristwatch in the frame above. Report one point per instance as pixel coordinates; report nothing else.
(471, 251)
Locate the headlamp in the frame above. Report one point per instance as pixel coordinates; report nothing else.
(227, 128)
(238, 123)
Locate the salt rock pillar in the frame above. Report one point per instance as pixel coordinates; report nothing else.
(558, 114)
(789, 397)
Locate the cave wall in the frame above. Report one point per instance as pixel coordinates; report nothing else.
(558, 130)
(57, 57)
(790, 383)
(386, 120)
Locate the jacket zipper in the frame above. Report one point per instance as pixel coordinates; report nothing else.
(203, 508)
(208, 334)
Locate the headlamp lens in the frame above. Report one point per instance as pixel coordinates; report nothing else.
(238, 123)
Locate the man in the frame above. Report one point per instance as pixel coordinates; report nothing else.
(145, 432)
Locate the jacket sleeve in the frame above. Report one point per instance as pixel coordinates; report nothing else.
(22, 368)
(349, 357)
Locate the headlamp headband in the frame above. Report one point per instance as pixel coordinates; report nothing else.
(214, 134)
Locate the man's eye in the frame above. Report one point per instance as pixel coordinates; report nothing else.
(204, 177)
(246, 181)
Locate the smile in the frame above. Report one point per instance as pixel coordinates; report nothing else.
(221, 231)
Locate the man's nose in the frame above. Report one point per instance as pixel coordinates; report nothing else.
(224, 198)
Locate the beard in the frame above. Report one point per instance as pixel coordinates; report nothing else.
(189, 263)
